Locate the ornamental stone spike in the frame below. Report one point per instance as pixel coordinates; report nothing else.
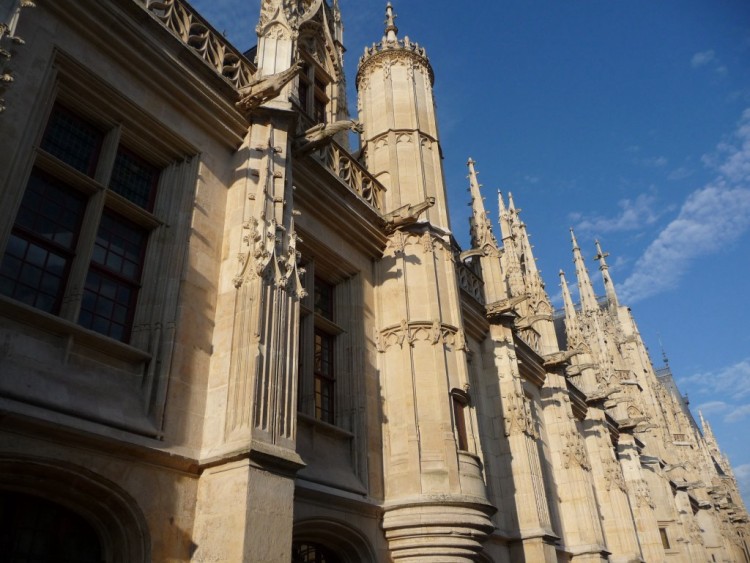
(503, 219)
(585, 289)
(481, 228)
(391, 30)
(571, 319)
(609, 286)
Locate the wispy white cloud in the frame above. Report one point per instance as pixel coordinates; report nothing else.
(708, 59)
(713, 407)
(729, 381)
(742, 474)
(634, 214)
(680, 173)
(738, 414)
(709, 219)
(654, 161)
(702, 58)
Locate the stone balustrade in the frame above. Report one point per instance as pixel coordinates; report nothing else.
(197, 33)
(343, 165)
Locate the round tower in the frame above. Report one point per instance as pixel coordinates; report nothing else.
(435, 506)
(400, 140)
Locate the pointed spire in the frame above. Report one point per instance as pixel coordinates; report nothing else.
(503, 218)
(337, 21)
(390, 24)
(609, 286)
(708, 433)
(585, 289)
(481, 228)
(511, 262)
(572, 330)
(511, 205)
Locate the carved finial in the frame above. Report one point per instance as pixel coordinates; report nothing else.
(609, 286)
(390, 25)
(573, 238)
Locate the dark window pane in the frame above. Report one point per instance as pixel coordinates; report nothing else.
(33, 274)
(72, 140)
(108, 304)
(51, 210)
(323, 298)
(134, 179)
(323, 354)
(120, 245)
(308, 552)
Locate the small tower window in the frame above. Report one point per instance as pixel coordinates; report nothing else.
(460, 400)
(664, 538)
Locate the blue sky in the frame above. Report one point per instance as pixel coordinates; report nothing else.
(627, 120)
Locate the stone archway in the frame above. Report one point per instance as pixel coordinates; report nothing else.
(108, 509)
(341, 541)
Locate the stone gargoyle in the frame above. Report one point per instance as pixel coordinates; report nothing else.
(260, 90)
(320, 134)
(406, 214)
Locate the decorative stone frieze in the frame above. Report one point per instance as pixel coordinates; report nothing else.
(411, 332)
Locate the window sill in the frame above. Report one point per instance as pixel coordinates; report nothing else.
(324, 427)
(62, 327)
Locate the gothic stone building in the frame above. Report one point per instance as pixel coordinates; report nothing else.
(227, 336)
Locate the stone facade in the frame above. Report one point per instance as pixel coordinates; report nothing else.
(226, 336)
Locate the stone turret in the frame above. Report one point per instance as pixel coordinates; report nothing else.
(436, 506)
(400, 140)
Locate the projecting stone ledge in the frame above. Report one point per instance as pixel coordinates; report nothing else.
(440, 531)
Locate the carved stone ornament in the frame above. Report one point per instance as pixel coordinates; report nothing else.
(323, 133)
(574, 451)
(269, 247)
(399, 240)
(613, 475)
(266, 88)
(643, 495)
(411, 332)
(407, 214)
(517, 415)
(8, 42)
(291, 13)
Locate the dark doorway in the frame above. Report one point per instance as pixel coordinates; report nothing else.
(35, 530)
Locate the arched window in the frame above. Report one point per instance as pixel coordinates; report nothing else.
(309, 552)
(35, 529)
